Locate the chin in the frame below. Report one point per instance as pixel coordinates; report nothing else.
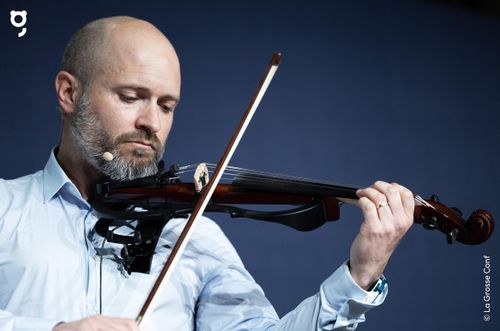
(134, 152)
(143, 153)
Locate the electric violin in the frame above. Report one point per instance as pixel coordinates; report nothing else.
(152, 201)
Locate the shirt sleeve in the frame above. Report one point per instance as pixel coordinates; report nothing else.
(231, 300)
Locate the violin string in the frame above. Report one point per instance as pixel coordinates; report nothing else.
(256, 173)
(276, 180)
(191, 168)
(233, 173)
(237, 172)
(419, 199)
(241, 172)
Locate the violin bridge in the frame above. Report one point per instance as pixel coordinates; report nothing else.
(200, 177)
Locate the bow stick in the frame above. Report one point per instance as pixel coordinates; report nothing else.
(207, 192)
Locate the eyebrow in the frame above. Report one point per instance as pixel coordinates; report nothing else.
(173, 97)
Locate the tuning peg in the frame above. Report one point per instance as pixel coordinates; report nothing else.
(431, 223)
(434, 198)
(452, 236)
(458, 211)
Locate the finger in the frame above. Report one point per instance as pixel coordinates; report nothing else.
(378, 199)
(408, 200)
(392, 195)
(370, 213)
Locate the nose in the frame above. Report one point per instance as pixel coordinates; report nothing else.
(149, 119)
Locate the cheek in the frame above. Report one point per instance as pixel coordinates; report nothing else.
(116, 124)
(114, 120)
(105, 109)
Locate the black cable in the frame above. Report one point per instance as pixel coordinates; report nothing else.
(100, 277)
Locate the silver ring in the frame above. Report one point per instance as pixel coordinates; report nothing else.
(383, 204)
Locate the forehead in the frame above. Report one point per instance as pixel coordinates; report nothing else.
(148, 64)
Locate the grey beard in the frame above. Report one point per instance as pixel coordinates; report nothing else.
(92, 141)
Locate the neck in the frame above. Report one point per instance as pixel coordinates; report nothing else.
(78, 170)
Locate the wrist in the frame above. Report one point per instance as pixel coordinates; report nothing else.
(365, 280)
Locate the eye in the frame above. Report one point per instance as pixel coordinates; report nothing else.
(128, 98)
(167, 108)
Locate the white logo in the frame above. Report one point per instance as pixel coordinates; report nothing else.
(24, 18)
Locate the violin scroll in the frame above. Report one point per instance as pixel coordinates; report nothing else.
(475, 230)
(479, 226)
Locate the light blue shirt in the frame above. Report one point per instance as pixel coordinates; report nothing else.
(49, 272)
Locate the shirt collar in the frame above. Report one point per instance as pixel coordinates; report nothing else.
(54, 177)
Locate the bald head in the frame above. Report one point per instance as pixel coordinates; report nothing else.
(95, 47)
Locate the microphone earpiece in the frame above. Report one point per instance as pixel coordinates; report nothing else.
(108, 156)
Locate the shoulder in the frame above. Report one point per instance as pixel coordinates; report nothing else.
(15, 192)
(21, 184)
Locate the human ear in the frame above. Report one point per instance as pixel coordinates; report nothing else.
(67, 90)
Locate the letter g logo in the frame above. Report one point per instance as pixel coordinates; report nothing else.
(24, 18)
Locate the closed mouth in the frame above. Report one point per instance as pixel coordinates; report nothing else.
(142, 143)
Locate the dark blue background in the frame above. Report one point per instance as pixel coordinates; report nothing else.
(403, 91)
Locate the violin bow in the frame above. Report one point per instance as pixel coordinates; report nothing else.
(209, 189)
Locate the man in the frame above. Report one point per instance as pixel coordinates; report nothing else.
(117, 90)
